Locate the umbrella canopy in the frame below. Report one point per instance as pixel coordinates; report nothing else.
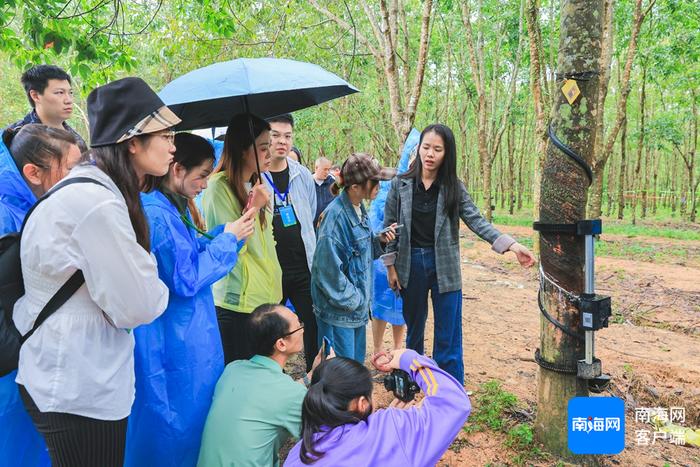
(210, 96)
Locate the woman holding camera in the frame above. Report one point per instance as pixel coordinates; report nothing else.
(430, 200)
(339, 428)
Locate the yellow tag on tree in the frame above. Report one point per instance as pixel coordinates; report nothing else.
(571, 91)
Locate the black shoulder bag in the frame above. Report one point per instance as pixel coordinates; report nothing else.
(12, 287)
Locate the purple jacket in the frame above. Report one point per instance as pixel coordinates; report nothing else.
(418, 436)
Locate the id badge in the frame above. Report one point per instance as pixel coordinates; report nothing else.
(287, 215)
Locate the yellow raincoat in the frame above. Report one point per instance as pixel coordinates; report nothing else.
(257, 276)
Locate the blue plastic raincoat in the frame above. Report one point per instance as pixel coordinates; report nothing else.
(178, 357)
(20, 444)
(387, 305)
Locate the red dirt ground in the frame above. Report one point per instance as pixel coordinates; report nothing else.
(652, 351)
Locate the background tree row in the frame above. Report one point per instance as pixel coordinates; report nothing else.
(486, 68)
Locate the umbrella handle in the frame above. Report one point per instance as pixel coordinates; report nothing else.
(252, 135)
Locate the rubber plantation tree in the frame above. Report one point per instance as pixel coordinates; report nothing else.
(563, 200)
(490, 124)
(393, 50)
(604, 148)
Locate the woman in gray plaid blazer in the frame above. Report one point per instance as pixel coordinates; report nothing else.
(429, 200)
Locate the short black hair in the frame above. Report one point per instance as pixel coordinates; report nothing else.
(37, 78)
(284, 118)
(265, 326)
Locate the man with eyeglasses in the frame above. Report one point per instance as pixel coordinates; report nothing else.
(293, 192)
(256, 406)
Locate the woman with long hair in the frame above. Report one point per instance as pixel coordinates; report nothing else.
(32, 160)
(341, 274)
(178, 357)
(429, 200)
(339, 426)
(76, 372)
(257, 278)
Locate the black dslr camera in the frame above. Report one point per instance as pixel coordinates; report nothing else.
(403, 387)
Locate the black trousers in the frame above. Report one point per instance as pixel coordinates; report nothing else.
(234, 336)
(77, 441)
(296, 286)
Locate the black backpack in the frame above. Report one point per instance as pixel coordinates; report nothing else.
(12, 288)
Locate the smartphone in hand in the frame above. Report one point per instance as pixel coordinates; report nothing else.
(252, 181)
(387, 229)
(249, 202)
(326, 347)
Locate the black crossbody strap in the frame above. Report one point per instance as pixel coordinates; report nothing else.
(57, 187)
(75, 281)
(64, 293)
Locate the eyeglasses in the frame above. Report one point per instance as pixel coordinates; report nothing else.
(301, 326)
(169, 135)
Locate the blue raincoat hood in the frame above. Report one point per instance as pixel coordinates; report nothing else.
(386, 305)
(15, 196)
(376, 209)
(20, 443)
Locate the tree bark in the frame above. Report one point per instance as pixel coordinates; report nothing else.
(603, 151)
(691, 159)
(384, 49)
(623, 172)
(540, 101)
(655, 185)
(390, 69)
(688, 157)
(637, 183)
(523, 154)
(563, 200)
(511, 168)
(596, 193)
(610, 188)
(412, 105)
(674, 185)
(477, 72)
(489, 131)
(648, 160)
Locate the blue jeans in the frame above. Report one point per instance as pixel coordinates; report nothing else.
(346, 342)
(447, 311)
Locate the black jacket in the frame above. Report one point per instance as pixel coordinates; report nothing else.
(323, 196)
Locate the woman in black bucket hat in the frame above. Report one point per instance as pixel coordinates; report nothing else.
(76, 371)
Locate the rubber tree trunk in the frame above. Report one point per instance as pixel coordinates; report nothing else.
(563, 200)
(645, 181)
(512, 167)
(623, 171)
(596, 192)
(610, 199)
(487, 196)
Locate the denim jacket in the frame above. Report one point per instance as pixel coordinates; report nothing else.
(341, 276)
